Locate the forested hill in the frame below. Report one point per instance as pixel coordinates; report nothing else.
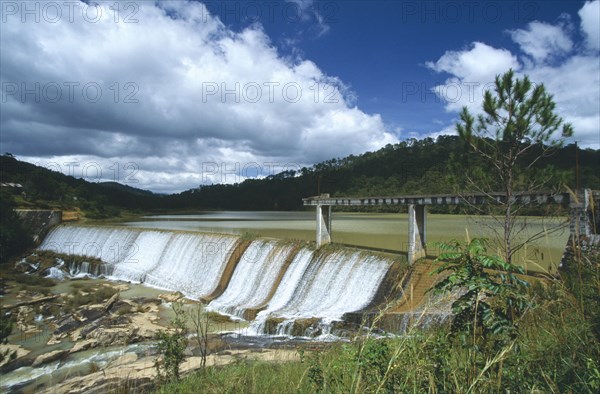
(43, 188)
(410, 167)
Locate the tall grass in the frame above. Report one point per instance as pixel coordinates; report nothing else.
(556, 351)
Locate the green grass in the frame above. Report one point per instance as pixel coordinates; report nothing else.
(244, 376)
(557, 350)
(31, 280)
(90, 296)
(554, 356)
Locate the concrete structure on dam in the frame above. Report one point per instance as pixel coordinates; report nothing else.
(580, 204)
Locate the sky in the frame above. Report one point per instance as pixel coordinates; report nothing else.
(170, 95)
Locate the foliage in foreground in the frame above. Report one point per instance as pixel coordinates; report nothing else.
(171, 347)
(518, 117)
(555, 351)
(491, 295)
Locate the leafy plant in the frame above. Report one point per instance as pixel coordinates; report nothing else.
(201, 323)
(5, 327)
(373, 360)
(491, 295)
(171, 347)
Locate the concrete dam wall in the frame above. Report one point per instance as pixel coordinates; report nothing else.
(276, 285)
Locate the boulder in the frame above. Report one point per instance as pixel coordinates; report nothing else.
(49, 357)
(171, 297)
(124, 360)
(8, 349)
(83, 345)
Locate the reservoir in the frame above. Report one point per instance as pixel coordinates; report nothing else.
(384, 231)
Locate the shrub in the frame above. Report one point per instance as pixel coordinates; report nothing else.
(491, 296)
(171, 347)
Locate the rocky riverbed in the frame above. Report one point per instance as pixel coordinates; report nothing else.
(90, 335)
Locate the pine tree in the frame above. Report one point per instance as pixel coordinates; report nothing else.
(516, 130)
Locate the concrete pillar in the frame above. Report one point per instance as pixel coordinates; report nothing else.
(579, 214)
(417, 227)
(323, 225)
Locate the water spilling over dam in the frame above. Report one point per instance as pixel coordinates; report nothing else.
(258, 280)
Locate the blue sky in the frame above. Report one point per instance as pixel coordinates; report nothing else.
(381, 48)
(168, 95)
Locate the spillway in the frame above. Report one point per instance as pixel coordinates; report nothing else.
(253, 278)
(330, 286)
(191, 263)
(257, 280)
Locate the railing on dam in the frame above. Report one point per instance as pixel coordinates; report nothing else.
(580, 205)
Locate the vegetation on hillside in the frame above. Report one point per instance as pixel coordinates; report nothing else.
(45, 189)
(410, 167)
(14, 238)
(407, 168)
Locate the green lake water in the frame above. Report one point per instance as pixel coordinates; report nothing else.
(372, 230)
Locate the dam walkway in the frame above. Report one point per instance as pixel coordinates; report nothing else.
(580, 204)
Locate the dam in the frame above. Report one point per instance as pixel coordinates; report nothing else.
(258, 280)
(279, 287)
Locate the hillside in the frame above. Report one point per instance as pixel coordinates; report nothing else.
(43, 188)
(410, 167)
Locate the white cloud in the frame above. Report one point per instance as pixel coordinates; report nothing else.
(542, 40)
(476, 63)
(308, 12)
(573, 78)
(448, 130)
(590, 23)
(205, 94)
(472, 70)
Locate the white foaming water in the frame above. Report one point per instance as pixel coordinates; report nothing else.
(333, 285)
(142, 256)
(110, 245)
(190, 263)
(56, 273)
(285, 290)
(324, 286)
(253, 278)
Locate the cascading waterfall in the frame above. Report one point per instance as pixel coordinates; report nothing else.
(268, 281)
(193, 263)
(110, 245)
(187, 262)
(253, 278)
(285, 290)
(332, 284)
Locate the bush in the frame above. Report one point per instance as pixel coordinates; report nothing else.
(5, 327)
(171, 346)
(14, 238)
(93, 296)
(491, 297)
(32, 280)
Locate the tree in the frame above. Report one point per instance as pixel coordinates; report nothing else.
(14, 238)
(171, 348)
(201, 325)
(516, 130)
